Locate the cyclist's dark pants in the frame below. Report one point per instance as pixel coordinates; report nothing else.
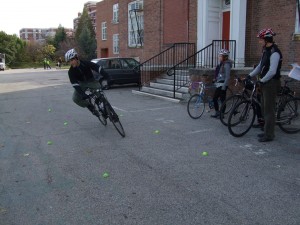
(269, 93)
(219, 93)
(258, 108)
(77, 98)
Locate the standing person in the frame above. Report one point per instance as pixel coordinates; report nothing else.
(222, 77)
(268, 71)
(59, 63)
(48, 64)
(45, 63)
(81, 78)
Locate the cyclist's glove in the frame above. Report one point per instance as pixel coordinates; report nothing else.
(84, 97)
(248, 77)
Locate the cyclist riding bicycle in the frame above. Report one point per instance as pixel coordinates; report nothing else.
(222, 76)
(82, 78)
(269, 79)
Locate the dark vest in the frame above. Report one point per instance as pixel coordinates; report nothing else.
(265, 61)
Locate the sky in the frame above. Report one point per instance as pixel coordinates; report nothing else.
(18, 14)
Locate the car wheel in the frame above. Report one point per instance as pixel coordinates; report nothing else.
(104, 84)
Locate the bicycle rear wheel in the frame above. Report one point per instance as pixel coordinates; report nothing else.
(195, 106)
(114, 118)
(241, 118)
(288, 117)
(227, 106)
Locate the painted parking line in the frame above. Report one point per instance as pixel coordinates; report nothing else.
(122, 110)
(255, 149)
(152, 109)
(199, 131)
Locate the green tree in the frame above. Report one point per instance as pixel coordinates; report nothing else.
(59, 37)
(85, 37)
(12, 46)
(48, 51)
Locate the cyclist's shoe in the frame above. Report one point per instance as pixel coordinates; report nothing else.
(261, 135)
(265, 139)
(217, 115)
(115, 118)
(258, 125)
(105, 115)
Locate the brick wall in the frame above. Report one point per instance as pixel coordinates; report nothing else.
(156, 29)
(280, 15)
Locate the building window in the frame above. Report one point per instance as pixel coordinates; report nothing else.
(135, 24)
(116, 48)
(115, 13)
(104, 30)
(226, 4)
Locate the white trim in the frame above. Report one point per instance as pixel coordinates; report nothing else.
(238, 28)
(104, 31)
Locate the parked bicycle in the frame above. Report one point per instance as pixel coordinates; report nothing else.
(197, 102)
(284, 94)
(101, 105)
(243, 114)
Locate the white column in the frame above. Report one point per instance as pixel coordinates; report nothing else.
(238, 29)
(201, 23)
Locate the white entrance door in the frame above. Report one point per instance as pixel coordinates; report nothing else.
(213, 21)
(209, 22)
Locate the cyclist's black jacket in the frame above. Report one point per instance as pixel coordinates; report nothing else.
(83, 73)
(265, 61)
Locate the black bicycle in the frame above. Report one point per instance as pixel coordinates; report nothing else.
(243, 114)
(283, 95)
(104, 110)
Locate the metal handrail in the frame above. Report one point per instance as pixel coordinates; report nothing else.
(160, 63)
(207, 57)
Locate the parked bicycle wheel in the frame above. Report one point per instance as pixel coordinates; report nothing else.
(241, 118)
(114, 118)
(196, 106)
(288, 116)
(227, 106)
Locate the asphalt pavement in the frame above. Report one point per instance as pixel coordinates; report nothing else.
(53, 155)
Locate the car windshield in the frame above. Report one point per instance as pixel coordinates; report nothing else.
(129, 63)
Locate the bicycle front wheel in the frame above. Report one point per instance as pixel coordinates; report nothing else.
(241, 118)
(288, 116)
(114, 118)
(227, 106)
(101, 117)
(195, 106)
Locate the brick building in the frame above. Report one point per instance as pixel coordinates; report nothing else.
(41, 34)
(92, 12)
(142, 29)
(164, 22)
(282, 17)
(241, 20)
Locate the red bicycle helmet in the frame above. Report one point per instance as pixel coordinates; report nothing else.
(265, 33)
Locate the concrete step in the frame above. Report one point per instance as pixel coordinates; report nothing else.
(161, 92)
(168, 87)
(178, 77)
(165, 81)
